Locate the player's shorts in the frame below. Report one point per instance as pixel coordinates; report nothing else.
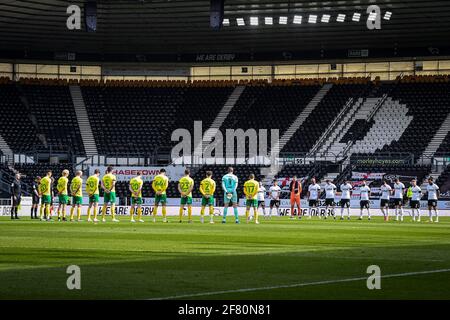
(432, 203)
(161, 198)
(46, 199)
(364, 204)
(414, 204)
(63, 199)
(94, 198)
(329, 202)
(384, 203)
(207, 201)
(109, 197)
(345, 203)
(261, 203)
(398, 202)
(77, 200)
(233, 199)
(186, 200)
(136, 200)
(35, 200)
(275, 203)
(251, 203)
(313, 203)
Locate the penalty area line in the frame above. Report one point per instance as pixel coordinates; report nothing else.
(297, 285)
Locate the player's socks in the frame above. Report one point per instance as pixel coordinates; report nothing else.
(225, 211)
(401, 214)
(132, 213)
(139, 214)
(180, 213)
(436, 214)
(247, 214)
(236, 214)
(89, 213)
(189, 213)
(202, 211)
(47, 211)
(104, 211)
(164, 212)
(256, 216)
(368, 213)
(113, 211)
(41, 211)
(72, 212)
(78, 213)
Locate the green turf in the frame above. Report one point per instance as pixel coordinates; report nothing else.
(142, 261)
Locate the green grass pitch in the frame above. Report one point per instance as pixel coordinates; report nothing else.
(144, 261)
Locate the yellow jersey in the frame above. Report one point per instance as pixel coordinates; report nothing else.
(44, 186)
(108, 182)
(160, 183)
(251, 188)
(62, 185)
(136, 185)
(207, 187)
(185, 184)
(92, 185)
(76, 187)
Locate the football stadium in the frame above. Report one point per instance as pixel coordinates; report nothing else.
(224, 150)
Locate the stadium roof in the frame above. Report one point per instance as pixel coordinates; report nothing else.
(180, 26)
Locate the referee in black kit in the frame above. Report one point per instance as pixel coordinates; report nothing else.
(16, 196)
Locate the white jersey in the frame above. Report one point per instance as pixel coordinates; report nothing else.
(346, 188)
(314, 191)
(330, 191)
(364, 193)
(432, 191)
(275, 192)
(416, 193)
(385, 191)
(261, 193)
(398, 190)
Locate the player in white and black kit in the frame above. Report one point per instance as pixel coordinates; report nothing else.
(399, 189)
(262, 198)
(433, 194)
(313, 196)
(364, 191)
(330, 192)
(274, 194)
(346, 194)
(415, 200)
(386, 191)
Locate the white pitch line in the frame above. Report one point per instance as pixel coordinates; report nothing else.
(296, 285)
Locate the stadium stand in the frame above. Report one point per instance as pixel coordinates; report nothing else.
(127, 118)
(428, 102)
(137, 120)
(323, 115)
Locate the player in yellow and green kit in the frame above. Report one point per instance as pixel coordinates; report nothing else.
(159, 185)
(46, 196)
(185, 186)
(136, 196)
(76, 190)
(93, 192)
(251, 188)
(207, 189)
(109, 187)
(62, 194)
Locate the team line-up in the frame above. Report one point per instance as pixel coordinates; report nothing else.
(254, 193)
